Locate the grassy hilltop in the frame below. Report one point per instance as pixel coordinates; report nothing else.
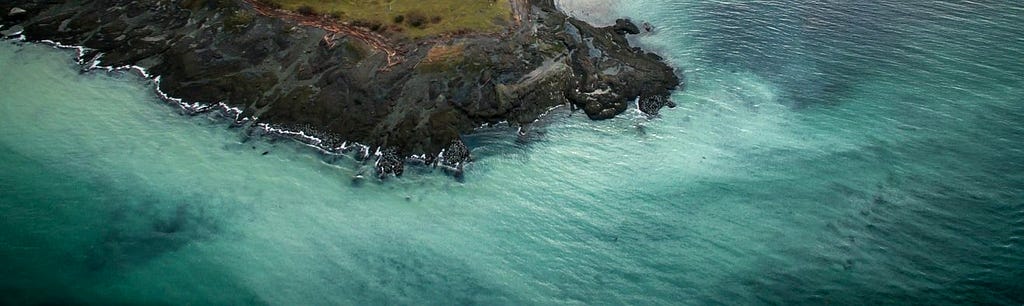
(413, 18)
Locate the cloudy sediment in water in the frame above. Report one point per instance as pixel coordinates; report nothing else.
(822, 153)
(596, 12)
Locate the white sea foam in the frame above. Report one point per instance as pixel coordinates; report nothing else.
(595, 12)
(95, 63)
(730, 192)
(235, 113)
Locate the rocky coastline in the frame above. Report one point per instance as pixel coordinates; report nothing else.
(338, 84)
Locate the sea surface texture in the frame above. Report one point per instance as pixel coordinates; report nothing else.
(824, 152)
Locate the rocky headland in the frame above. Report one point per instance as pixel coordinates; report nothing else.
(339, 83)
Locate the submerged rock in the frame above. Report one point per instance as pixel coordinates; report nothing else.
(16, 11)
(648, 27)
(341, 82)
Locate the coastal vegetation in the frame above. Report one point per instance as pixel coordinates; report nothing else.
(412, 18)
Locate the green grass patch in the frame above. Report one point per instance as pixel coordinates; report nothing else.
(413, 18)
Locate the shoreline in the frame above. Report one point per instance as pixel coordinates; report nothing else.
(234, 114)
(389, 158)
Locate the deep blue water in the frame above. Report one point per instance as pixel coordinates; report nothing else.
(823, 152)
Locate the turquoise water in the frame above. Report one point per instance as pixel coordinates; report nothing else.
(823, 152)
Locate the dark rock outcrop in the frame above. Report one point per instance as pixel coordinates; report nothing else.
(407, 98)
(625, 26)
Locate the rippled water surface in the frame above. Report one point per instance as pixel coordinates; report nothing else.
(823, 152)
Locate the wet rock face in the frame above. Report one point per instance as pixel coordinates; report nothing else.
(12, 31)
(652, 105)
(625, 26)
(609, 73)
(454, 158)
(455, 155)
(389, 162)
(405, 97)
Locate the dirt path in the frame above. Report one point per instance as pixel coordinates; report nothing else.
(335, 27)
(520, 9)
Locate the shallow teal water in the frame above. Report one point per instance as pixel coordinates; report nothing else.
(823, 152)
